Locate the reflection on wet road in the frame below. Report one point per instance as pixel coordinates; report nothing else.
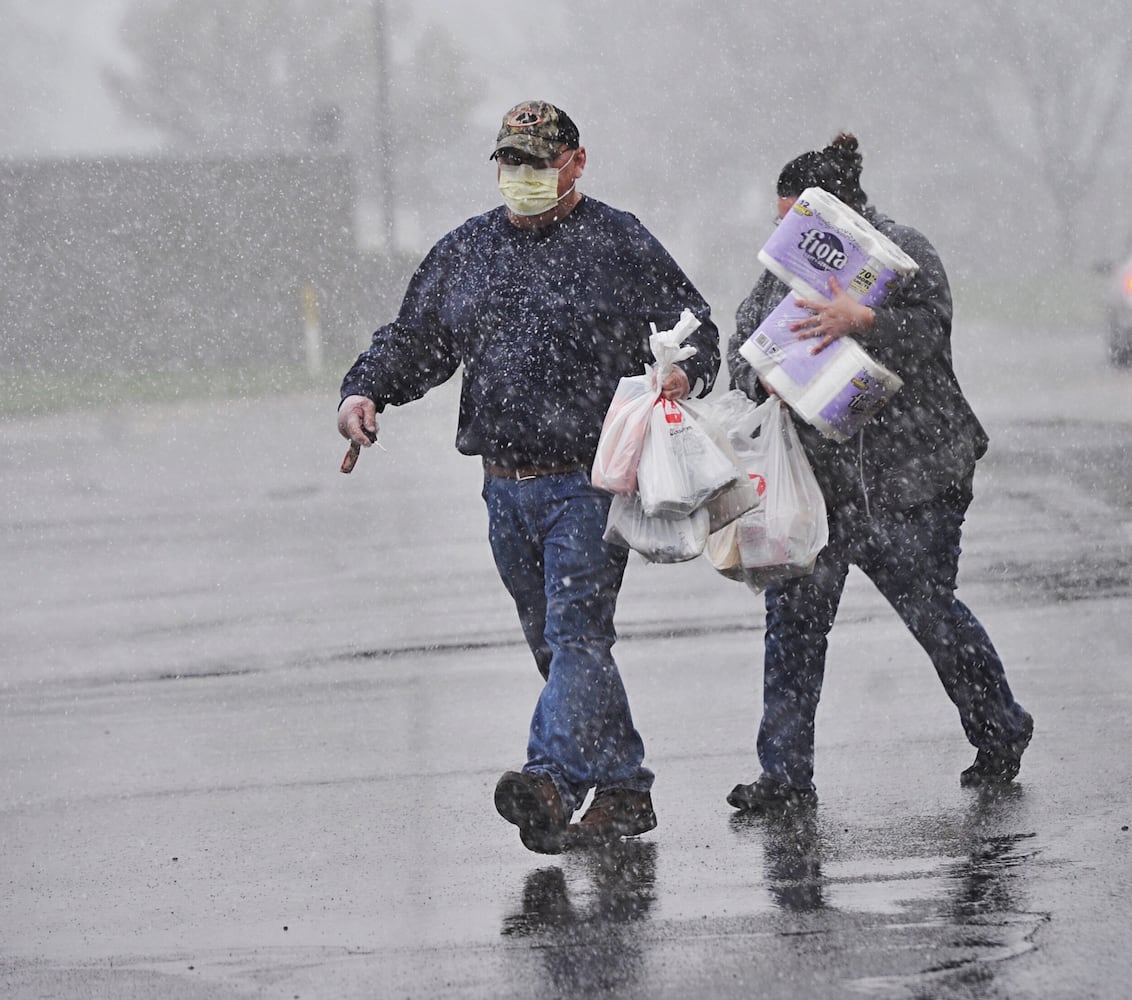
(935, 921)
(582, 928)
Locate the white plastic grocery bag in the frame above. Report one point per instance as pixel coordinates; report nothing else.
(658, 539)
(740, 495)
(730, 419)
(783, 536)
(626, 421)
(741, 419)
(623, 434)
(681, 467)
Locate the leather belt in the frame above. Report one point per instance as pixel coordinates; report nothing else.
(530, 471)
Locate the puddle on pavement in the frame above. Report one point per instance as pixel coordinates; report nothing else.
(926, 921)
(960, 915)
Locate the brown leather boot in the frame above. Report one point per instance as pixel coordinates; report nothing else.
(613, 814)
(531, 801)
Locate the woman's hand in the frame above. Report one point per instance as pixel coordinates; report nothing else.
(840, 316)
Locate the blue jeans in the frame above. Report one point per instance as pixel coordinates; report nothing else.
(912, 556)
(546, 538)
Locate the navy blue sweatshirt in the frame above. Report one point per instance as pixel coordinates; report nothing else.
(544, 321)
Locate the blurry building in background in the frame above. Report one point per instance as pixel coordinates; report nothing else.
(162, 264)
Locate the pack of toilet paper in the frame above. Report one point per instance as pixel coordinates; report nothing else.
(837, 390)
(822, 237)
(840, 388)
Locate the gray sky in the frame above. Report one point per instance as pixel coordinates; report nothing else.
(60, 48)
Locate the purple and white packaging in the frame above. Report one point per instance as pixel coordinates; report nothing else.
(822, 237)
(840, 388)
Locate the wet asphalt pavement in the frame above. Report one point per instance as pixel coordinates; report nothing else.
(252, 712)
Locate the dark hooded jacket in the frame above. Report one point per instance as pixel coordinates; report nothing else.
(927, 437)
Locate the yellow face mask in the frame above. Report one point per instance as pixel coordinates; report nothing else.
(531, 190)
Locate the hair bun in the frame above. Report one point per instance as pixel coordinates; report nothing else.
(844, 142)
(843, 151)
(836, 168)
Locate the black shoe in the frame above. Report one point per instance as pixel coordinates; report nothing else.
(766, 794)
(1001, 766)
(531, 801)
(613, 814)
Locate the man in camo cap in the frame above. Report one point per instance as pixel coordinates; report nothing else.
(546, 302)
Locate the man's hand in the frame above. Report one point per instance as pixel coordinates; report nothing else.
(841, 316)
(357, 422)
(676, 384)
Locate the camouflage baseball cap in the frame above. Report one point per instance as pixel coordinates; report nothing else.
(537, 129)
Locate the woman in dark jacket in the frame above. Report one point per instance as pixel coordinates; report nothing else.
(896, 493)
